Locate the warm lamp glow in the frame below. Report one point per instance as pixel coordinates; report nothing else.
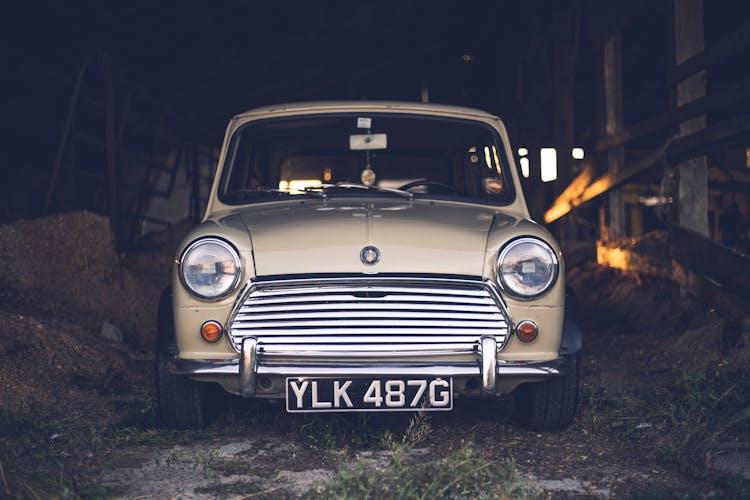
(525, 167)
(549, 164)
(299, 184)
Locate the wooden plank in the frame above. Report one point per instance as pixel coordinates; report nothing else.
(692, 190)
(113, 198)
(682, 260)
(84, 137)
(613, 123)
(607, 182)
(562, 205)
(64, 137)
(720, 51)
(725, 266)
(720, 135)
(733, 94)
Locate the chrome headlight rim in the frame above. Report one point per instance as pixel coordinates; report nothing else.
(504, 252)
(235, 257)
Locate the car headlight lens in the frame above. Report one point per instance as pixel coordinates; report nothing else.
(527, 268)
(210, 268)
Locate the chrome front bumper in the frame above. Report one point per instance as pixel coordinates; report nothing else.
(247, 368)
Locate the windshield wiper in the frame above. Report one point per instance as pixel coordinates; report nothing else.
(285, 192)
(351, 185)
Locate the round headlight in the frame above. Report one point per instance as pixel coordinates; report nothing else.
(527, 268)
(210, 268)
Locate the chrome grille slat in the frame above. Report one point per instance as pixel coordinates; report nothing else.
(378, 317)
(363, 288)
(419, 350)
(365, 306)
(371, 314)
(326, 298)
(345, 339)
(336, 323)
(311, 332)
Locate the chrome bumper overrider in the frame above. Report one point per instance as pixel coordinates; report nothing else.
(248, 368)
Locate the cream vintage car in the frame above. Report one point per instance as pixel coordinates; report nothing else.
(367, 256)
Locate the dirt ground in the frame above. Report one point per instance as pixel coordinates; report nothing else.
(664, 410)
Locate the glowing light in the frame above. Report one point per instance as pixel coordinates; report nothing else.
(497, 160)
(523, 152)
(487, 159)
(549, 164)
(299, 184)
(612, 257)
(327, 174)
(652, 201)
(525, 169)
(578, 153)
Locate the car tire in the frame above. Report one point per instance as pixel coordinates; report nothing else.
(182, 403)
(549, 405)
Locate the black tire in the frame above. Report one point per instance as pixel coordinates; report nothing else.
(549, 405)
(181, 402)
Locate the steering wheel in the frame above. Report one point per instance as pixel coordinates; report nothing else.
(416, 183)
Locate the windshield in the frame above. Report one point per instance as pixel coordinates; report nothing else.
(370, 154)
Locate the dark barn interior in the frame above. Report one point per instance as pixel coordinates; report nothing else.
(630, 123)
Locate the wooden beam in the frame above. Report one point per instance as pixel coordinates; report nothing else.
(720, 135)
(582, 189)
(613, 123)
(563, 204)
(113, 193)
(718, 52)
(731, 95)
(663, 266)
(727, 267)
(64, 137)
(601, 185)
(692, 191)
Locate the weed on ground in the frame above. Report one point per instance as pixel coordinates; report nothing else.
(705, 410)
(463, 473)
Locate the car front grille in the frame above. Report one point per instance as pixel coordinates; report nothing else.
(368, 317)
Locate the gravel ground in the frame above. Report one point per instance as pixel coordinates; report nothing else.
(664, 404)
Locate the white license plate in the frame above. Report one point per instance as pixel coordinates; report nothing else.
(305, 394)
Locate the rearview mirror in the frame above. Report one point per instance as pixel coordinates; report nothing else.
(368, 141)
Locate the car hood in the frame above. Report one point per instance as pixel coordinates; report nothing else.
(413, 237)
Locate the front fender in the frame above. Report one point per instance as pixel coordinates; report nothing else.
(572, 338)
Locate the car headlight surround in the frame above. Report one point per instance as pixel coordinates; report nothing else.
(210, 268)
(527, 268)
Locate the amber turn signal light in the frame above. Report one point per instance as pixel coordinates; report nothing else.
(211, 331)
(527, 330)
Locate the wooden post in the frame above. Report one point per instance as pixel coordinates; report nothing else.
(636, 220)
(563, 67)
(113, 181)
(693, 174)
(613, 122)
(64, 138)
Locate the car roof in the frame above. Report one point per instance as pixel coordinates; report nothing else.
(363, 106)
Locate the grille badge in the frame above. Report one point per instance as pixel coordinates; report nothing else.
(369, 256)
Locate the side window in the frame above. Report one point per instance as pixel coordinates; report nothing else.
(247, 161)
(235, 179)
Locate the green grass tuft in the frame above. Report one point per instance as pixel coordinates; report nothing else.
(464, 473)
